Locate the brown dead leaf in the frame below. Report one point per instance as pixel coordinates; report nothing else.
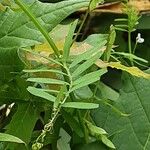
(116, 7)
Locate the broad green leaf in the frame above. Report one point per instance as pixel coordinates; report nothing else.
(88, 79)
(41, 93)
(9, 138)
(92, 146)
(132, 132)
(86, 64)
(17, 30)
(14, 91)
(9, 63)
(47, 81)
(80, 105)
(132, 70)
(69, 40)
(72, 123)
(23, 122)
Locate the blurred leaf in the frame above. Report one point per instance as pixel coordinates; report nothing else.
(72, 123)
(107, 92)
(9, 138)
(23, 122)
(94, 4)
(63, 142)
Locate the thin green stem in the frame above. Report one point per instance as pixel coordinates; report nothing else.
(135, 47)
(129, 42)
(40, 27)
(129, 46)
(81, 26)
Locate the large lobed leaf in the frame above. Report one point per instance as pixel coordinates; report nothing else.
(23, 122)
(132, 132)
(17, 30)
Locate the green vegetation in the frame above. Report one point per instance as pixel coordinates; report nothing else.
(63, 88)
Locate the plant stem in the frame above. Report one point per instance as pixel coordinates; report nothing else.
(81, 26)
(135, 47)
(40, 27)
(129, 42)
(129, 46)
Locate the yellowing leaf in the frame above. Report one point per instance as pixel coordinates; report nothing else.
(132, 70)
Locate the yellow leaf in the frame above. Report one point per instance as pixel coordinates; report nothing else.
(132, 70)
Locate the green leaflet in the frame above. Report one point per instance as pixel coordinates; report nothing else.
(9, 138)
(41, 93)
(80, 105)
(86, 65)
(47, 81)
(86, 55)
(69, 40)
(88, 79)
(44, 70)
